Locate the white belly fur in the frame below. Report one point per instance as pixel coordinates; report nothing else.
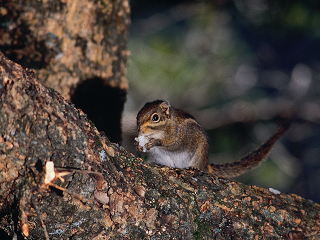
(170, 159)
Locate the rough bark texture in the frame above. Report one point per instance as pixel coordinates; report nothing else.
(77, 47)
(67, 41)
(123, 198)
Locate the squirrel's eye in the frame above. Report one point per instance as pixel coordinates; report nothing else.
(155, 117)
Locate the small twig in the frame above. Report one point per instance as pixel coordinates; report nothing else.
(78, 170)
(80, 197)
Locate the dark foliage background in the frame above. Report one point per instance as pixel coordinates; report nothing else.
(239, 67)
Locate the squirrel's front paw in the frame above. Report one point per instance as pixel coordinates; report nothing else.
(141, 143)
(149, 145)
(152, 142)
(138, 147)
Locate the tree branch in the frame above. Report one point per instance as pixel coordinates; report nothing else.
(125, 198)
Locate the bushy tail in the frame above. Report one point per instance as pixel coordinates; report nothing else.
(251, 160)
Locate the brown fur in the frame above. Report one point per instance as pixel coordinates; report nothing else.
(177, 133)
(251, 160)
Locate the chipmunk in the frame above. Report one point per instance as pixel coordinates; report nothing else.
(174, 138)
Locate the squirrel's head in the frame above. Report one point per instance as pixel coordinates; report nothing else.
(153, 117)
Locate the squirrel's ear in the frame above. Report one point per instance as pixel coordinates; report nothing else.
(165, 107)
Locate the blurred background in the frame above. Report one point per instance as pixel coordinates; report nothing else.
(239, 67)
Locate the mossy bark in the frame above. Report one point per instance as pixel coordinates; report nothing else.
(123, 198)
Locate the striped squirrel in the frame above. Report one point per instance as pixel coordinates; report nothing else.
(174, 138)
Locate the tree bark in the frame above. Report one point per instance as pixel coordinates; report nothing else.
(111, 194)
(67, 42)
(77, 47)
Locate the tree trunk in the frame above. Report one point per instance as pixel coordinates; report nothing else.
(111, 194)
(77, 47)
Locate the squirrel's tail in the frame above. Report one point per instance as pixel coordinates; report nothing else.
(251, 160)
